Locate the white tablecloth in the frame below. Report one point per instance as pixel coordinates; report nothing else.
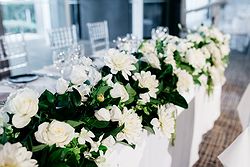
(153, 150)
(237, 154)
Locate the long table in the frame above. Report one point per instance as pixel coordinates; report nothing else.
(153, 150)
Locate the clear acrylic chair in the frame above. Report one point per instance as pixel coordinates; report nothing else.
(99, 37)
(13, 54)
(62, 38)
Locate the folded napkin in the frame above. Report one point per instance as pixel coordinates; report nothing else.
(237, 154)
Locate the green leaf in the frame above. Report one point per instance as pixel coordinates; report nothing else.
(74, 123)
(95, 123)
(103, 89)
(50, 96)
(38, 148)
(149, 129)
(103, 148)
(167, 70)
(76, 97)
(117, 130)
(178, 100)
(131, 93)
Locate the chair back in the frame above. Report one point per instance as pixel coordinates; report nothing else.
(64, 37)
(244, 108)
(13, 54)
(99, 36)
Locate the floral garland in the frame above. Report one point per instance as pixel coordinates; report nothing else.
(92, 110)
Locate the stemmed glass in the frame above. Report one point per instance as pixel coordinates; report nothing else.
(59, 59)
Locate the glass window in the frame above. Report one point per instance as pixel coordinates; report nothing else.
(18, 17)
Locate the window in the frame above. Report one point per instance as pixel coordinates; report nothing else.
(18, 16)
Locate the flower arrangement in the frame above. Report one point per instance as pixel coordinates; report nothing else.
(91, 110)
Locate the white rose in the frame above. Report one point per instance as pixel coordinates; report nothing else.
(61, 86)
(15, 155)
(119, 91)
(78, 74)
(24, 105)
(102, 114)
(56, 132)
(115, 113)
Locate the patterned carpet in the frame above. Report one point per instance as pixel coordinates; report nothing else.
(228, 126)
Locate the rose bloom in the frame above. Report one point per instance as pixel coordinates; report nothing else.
(56, 132)
(61, 86)
(120, 61)
(78, 74)
(23, 104)
(14, 155)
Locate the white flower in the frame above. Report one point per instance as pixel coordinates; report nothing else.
(102, 114)
(94, 76)
(56, 132)
(86, 61)
(120, 61)
(150, 54)
(14, 155)
(183, 46)
(165, 124)
(4, 119)
(132, 127)
(85, 135)
(225, 50)
(108, 79)
(23, 104)
(185, 81)
(115, 113)
(170, 60)
(119, 90)
(195, 37)
(84, 90)
(203, 80)
(217, 75)
(78, 74)
(196, 58)
(214, 50)
(109, 141)
(61, 86)
(146, 80)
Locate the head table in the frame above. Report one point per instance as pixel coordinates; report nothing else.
(154, 150)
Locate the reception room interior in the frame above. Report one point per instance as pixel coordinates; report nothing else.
(128, 83)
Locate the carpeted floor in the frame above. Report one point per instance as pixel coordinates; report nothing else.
(228, 126)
